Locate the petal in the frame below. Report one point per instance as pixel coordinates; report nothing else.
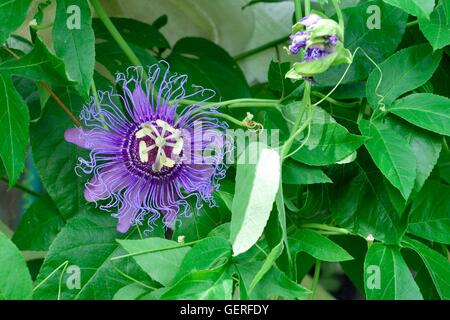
(109, 180)
(126, 217)
(76, 136)
(92, 138)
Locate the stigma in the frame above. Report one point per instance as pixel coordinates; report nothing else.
(164, 140)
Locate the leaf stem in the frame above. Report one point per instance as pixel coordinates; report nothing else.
(22, 188)
(412, 23)
(316, 278)
(336, 102)
(187, 244)
(239, 102)
(325, 228)
(115, 33)
(60, 103)
(64, 264)
(50, 91)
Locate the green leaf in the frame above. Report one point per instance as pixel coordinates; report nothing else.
(402, 72)
(362, 204)
(162, 264)
(318, 246)
(392, 155)
(387, 277)
(437, 29)
(39, 226)
(418, 8)
(256, 187)
(298, 173)
(329, 142)
(39, 64)
(132, 291)
(11, 22)
(210, 66)
(75, 45)
(213, 284)
(273, 285)
(207, 254)
(15, 280)
(425, 110)
(379, 43)
(425, 145)
(429, 217)
(438, 266)
(197, 225)
(88, 241)
(267, 265)
(55, 158)
(14, 122)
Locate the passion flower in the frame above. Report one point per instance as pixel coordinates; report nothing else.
(149, 151)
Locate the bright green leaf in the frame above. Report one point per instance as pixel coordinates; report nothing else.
(75, 45)
(387, 277)
(12, 15)
(437, 29)
(207, 254)
(402, 72)
(15, 280)
(14, 122)
(39, 226)
(392, 155)
(425, 110)
(438, 266)
(162, 264)
(418, 8)
(430, 213)
(318, 246)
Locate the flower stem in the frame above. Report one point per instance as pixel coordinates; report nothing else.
(307, 7)
(339, 15)
(298, 127)
(115, 33)
(22, 188)
(298, 10)
(316, 278)
(261, 48)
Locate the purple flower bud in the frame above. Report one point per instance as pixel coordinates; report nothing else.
(314, 53)
(310, 20)
(298, 41)
(332, 40)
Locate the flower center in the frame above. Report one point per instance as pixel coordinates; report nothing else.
(157, 146)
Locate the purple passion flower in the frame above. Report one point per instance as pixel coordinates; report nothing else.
(148, 153)
(332, 40)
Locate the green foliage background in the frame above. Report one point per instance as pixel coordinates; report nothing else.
(369, 188)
